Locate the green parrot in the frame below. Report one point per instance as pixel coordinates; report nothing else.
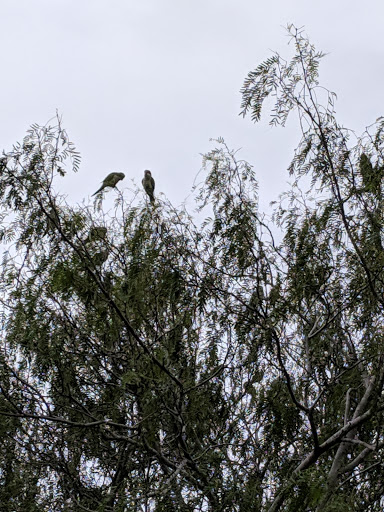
(110, 181)
(149, 185)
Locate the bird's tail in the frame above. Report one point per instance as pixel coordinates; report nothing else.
(97, 191)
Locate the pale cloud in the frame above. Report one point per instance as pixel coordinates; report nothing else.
(146, 84)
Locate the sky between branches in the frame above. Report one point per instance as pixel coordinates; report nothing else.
(145, 84)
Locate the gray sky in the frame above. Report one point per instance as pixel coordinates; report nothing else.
(144, 84)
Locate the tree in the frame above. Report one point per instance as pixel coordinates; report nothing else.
(162, 365)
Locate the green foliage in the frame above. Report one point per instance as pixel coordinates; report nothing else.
(149, 363)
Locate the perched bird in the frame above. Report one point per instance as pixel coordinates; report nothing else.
(110, 181)
(149, 185)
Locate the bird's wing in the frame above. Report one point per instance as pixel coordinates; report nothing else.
(109, 177)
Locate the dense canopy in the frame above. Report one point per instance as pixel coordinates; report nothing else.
(151, 362)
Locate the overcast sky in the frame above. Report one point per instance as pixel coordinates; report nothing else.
(144, 84)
